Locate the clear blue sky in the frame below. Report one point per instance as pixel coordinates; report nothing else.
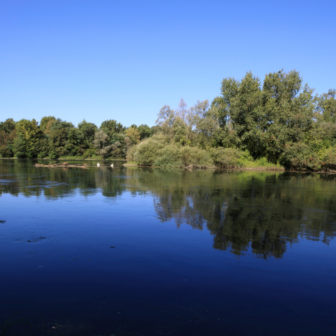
(124, 60)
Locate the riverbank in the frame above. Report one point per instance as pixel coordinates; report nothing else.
(191, 167)
(255, 168)
(70, 158)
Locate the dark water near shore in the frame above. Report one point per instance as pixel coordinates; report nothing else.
(128, 251)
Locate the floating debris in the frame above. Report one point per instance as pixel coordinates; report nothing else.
(61, 165)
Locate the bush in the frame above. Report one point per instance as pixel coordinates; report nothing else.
(299, 156)
(130, 153)
(42, 155)
(88, 153)
(329, 158)
(169, 156)
(195, 156)
(147, 151)
(53, 155)
(228, 158)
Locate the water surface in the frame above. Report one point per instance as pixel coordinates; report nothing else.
(129, 251)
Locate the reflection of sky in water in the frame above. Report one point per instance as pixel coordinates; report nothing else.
(169, 254)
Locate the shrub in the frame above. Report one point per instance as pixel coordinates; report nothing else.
(53, 155)
(147, 151)
(168, 156)
(228, 158)
(88, 153)
(299, 156)
(329, 158)
(130, 153)
(42, 155)
(195, 156)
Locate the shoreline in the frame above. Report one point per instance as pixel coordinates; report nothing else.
(191, 167)
(61, 159)
(205, 168)
(260, 168)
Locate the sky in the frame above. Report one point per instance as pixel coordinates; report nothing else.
(124, 60)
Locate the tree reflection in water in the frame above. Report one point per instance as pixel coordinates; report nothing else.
(261, 211)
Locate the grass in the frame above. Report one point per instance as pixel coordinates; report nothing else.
(261, 163)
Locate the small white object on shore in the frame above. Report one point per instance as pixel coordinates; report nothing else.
(98, 164)
(112, 165)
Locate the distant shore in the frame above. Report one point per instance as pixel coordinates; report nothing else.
(66, 159)
(214, 168)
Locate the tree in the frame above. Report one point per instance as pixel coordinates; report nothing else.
(58, 137)
(327, 106)
(111, 127)
(46, 123)
(88, 130)
(133, 134)
(288, 110)
(30, 139)
(7, 136)
(100, 143)
(145, 131)
(7, 126)
(74, 144)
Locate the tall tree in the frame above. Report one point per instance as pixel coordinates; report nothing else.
(327, 106)
(111, 127)
(30, 141)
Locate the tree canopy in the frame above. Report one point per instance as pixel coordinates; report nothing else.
(279, 120)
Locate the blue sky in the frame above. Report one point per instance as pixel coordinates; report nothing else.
(124, 60)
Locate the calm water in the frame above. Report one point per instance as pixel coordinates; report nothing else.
(158, 252)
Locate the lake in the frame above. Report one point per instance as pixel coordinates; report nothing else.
(130, 251)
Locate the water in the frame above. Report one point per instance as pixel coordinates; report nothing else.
(129, 251)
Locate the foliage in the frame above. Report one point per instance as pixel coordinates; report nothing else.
(111, 127)
(145, 131)
(327, 106)
(252, 123)
(299, 156)
(130, 153)
(227, 158)
(329, 158)
(147, 151)
(7, 136)
(133, 134)
(168, 156)
(195, 156)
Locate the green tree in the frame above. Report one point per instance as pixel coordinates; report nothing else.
(133, 134)
(46, 123)
(111, 127)
(88, 130)
(30, 139)
(289, 112)
(145, 131)
(7, 136)
(100, 143)
(327, 106)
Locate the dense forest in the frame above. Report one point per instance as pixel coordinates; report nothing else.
(277, 122)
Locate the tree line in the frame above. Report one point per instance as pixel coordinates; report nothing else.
(55, 138)
(277, 121)
(280, 121)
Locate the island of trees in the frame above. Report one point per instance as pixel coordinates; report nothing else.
(277, 123)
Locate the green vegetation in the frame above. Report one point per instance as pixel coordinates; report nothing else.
(54, 138)
(279, 123)
(274, 124)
